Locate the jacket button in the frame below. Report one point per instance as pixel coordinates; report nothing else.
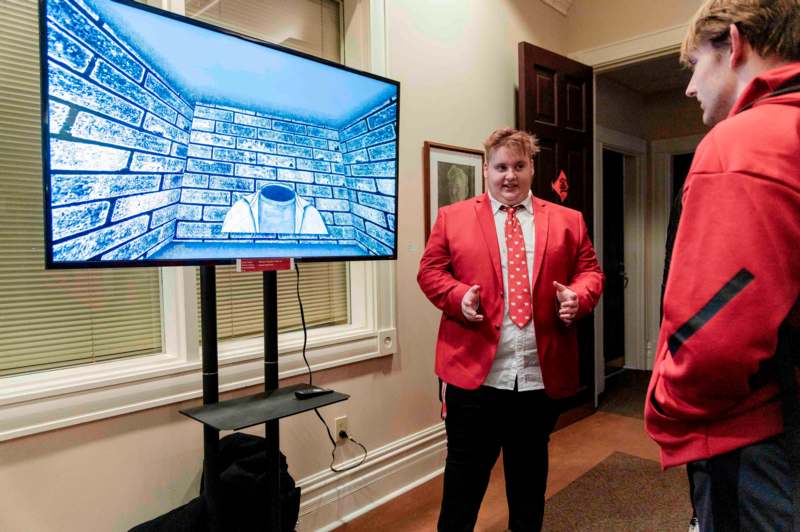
(497, 326)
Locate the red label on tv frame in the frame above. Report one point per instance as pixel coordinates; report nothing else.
(263, 265)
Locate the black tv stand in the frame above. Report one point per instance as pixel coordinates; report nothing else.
(267, 407)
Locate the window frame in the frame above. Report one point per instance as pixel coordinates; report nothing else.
(51, 399)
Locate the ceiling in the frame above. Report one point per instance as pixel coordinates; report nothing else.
(649, 77)
(212, 67)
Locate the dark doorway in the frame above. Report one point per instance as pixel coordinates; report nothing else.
(680, 169)
(614, 261)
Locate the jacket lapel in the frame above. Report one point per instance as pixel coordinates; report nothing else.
(541, 223)
(483, 211)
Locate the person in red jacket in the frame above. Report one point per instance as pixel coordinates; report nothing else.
(510, 273)
(714, 400)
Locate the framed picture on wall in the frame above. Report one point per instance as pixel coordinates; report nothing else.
(451, 174)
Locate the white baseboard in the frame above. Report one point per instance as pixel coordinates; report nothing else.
(330, 499)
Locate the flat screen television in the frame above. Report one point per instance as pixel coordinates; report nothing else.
(168, 141)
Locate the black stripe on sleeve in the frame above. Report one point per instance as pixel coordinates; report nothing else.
(720, 299)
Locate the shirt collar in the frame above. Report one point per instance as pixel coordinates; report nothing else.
(526, 203)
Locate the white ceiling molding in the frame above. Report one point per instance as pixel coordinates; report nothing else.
(562, 6)
(639, 48)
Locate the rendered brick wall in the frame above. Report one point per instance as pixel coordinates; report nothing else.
(135, 164)
(110, 112)
(234, 152)
(368, 148)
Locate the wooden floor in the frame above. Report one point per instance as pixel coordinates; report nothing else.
(574, 450)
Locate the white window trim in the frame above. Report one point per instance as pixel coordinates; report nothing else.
(49, 400)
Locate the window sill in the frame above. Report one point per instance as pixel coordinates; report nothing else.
(40, 402)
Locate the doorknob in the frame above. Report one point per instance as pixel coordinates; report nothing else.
(621, 272)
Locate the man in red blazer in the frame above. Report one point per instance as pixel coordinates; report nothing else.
(511, 273)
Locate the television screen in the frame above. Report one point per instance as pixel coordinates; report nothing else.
(171, 142)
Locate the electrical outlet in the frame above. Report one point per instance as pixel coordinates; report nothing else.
(341, 425)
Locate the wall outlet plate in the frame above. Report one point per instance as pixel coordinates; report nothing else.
(340, 424)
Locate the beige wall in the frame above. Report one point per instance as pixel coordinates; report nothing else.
(619, 108)
(670, 115)
(662, 115)
(593, 23)
(456, 61)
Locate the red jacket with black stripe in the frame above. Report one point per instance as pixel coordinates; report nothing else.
(734, 279)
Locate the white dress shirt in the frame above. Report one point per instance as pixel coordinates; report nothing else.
(517, 359)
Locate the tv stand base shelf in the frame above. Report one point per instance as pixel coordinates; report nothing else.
(243, 412)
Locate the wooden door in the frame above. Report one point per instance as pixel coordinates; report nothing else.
(555, 104)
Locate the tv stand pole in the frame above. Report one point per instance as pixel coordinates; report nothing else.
(208, 325)
(271, 428)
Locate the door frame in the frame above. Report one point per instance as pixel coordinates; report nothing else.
(635, 147)
(661, 183)
(602, 58)
(632, 50)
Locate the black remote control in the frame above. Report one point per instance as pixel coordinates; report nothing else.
(313, 391)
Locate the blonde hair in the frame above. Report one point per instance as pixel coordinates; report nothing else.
(772, 27)
(521, 141)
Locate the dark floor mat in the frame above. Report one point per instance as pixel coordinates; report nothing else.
(622, 493)
(625, 393)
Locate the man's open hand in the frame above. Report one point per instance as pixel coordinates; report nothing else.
(470, 303)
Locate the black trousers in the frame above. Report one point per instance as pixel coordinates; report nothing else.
(747, 490)
(479, 424)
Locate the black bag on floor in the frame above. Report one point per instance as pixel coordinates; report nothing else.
(243, 490)
(191, 517)
(243, 485)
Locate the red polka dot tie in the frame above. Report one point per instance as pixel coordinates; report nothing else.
(519, 287)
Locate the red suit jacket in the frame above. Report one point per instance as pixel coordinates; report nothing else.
(463, 250)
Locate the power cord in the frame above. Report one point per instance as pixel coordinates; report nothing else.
(342, 434)
(303, 321)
